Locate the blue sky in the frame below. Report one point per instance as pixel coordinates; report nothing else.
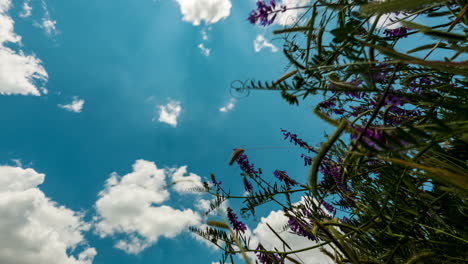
(103, 104)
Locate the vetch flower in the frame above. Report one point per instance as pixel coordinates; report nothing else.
(236, 224)
(300, 228)
(355, 83)
(268, 258)
(307, 160)
(215, 182)
(297, 141)
(396, 32)
(245, 165)
(370, 136)
(247, 185)
(265, 13)
(327, 103)
(329, 207)
(282, 176)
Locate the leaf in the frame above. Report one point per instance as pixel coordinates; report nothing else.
(451, 67)
(289, 30)
(444, 35)
(413, 25)
(321, 155)
(237, 152)
(458, 180)
(396, 5)
(428, 46)
(291, 99)
(284, 77)
(217, 224)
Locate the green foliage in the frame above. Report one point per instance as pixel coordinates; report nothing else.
(397, 165)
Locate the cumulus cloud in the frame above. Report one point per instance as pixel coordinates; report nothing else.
(36, 230)
(209, 11)
(229, 106)
(169, 113)
(270, 241)
(290, 17)
(183, 183)
(279, 222)
(204, 35)
(132, 205)
(26, 9)
(386, 21)
(204, 206)
(260, 43)
(205, 51)
(75, 106)
(47, 24)
(18, 72)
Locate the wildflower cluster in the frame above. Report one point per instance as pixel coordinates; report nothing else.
(268, 258)
(264, 13)
(245, 165)
(396, 32)
(282, 176)
(388, 184)
(237, 225)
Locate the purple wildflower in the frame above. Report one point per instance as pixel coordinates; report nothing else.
(346, 202)
(301, 229)
(329, 207)
(380, 72)
(282, 176)
(355, 83)
(400, 115)
(265, 13)
(370, 136)
(396, 32)
(332, 172)
(297, 141)
(307, 160)
(327, 103)
(236, 224)
(245, 165)
(416, 86)
(215, 182)
(247, 185)
(358, 109)
(268, 258)
(338, 111)
(395, 100)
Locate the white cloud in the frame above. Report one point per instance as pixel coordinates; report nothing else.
(34, 229)
(48, 24)
(26, 10)
(18, 72)
(204, 35)
(204, 206)
(277, 221)
(290, 17)
(260, 43)
(229, 106)
(131, 205)
(169, 113)
(209, 11)
(386, 21)
(205, 51)
(183, 184)
(75, 106)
